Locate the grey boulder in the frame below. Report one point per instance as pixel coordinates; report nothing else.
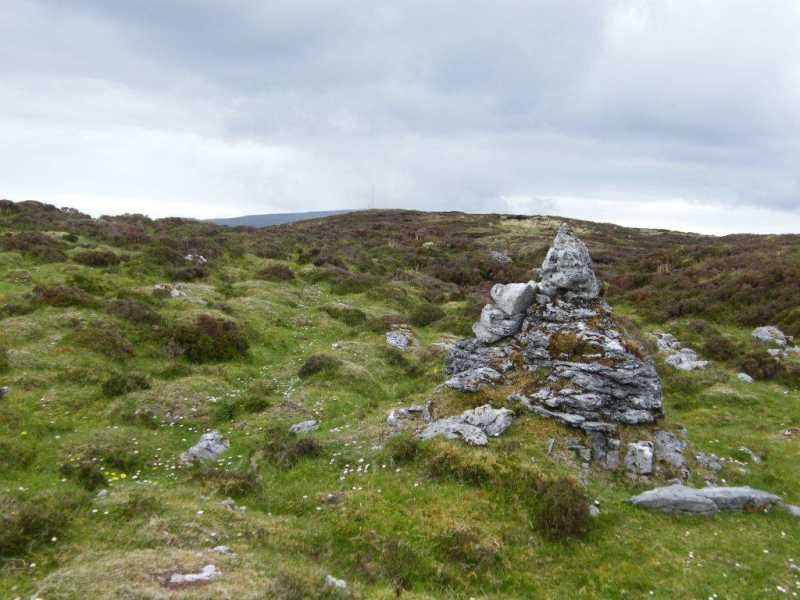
(770, 334)
(494, 324)
(567, 269)
(474, 426)
(513, 298)
(473, 379)
(793, 510)
(639, 459)
(400, 338)
(705, 501)
(210, 446)
(305, 426)
(669, 449)
(686, 359)
(744, 378)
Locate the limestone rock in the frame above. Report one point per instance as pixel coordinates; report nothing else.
(500, 258)
(594, 512)
(400, 338)
(706, 501)
(744, 378)
(494, 324)
(4, 391)
(639, 459)
(335, 584)
(210, 446)
(793, 510)
(206, 574)
(605, 451)
(676, 499)
(567, 270)
(771, 335)
(166, 290)
(473, 426)
(305, 426)
(669, 450)
(465, 355)
(398, 416)
(686, 359)
(709, 461)
(513, 298)
(473, 380)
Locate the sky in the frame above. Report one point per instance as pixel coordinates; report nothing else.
(678, 114)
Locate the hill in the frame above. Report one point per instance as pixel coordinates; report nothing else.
(275, 218)
(123, 340)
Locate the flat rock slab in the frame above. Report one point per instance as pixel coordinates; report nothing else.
(207, 574)
(473, 379)
(474, 426)
(210, 446)
(305, 426)
(705, 501)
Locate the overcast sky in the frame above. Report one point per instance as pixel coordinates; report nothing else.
(680, 114)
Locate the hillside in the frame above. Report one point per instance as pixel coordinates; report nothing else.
(124, 339)
(274, 218)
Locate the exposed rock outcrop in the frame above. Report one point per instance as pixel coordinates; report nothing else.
(474, 426)
(770, 334)
(210, 446)
(305, 426)
(567, 270)
(592, 374)
(401, 338)
(678, 356)
(705, 501)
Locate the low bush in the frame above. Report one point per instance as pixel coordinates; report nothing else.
(16, 454)
(464, 465)
(34, 244)
(229, 482)
(5, 364)
(29, 522)
(285, 449)
(346, 314)
(760, 365)
(85, 472)
(561, 510)
(191, 273)
(96, 258)
(467, 548)
(402, 448)
(87, 282)
(101, 338)
(384, 323)
(210, 339)
(718, 347)
(141, 505)
(61, 296)
(134, 311)
(319, 363)
(276, 272)
(425, 314)
(120, 384)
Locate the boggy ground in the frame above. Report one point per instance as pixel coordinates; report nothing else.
(107, 389)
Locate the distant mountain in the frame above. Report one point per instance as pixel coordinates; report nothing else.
(276, 218)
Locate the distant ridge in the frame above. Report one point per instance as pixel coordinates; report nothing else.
(275, 218)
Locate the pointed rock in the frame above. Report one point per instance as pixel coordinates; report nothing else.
(567, 269)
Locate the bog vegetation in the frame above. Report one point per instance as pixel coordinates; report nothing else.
(108, 382)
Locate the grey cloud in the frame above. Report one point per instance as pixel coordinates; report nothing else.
(445, 105)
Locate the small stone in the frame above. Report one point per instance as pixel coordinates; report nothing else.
(335, 584)
(473, 426)
(594, 512)
(744, 378)
(400, 338)
(305, 426)
(206, 574)
(222, 550)
(793, 510)
(210, 446)
(102, 493)
(4, 391)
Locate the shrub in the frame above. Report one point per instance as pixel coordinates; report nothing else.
(319, 363)
(87, 283)
(276, 273)
(26, 523)
(467, 548)
(285, 448)
(140, 504)
(425, 314)
(561, 510)
(463, 465)
(5, 364)
(61, 296)
(190, 273)
(718, 347)
(210, 339)
(16, 454)
(123, 383)
(86, 473)
(402, 448)
(70, 237)
(346, 314)
(96, 258)
(233, 483)
(384, 323)
(760, 365)
(134, 311)
(101, 338)
(34, 244)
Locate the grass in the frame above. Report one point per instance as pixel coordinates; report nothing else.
(388, 514)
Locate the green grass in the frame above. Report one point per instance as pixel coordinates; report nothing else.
(400, 526)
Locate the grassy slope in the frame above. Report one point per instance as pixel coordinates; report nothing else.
(389, 528)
